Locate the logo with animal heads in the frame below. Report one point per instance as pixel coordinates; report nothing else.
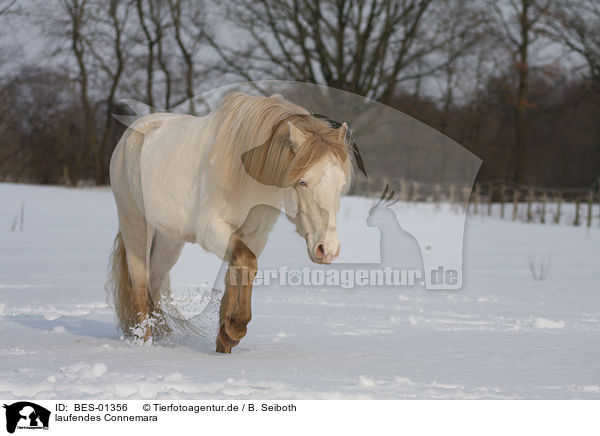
(26, 415)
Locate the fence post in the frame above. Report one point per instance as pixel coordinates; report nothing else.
(476, 197)
(466, 191)
(490, 199)
(577, 204)
(502, 199)
(515, 203)
(452, 196)
(558, 207)
(404, 190)
(590, 205)
(544, 199)
(415, 193)
(530, 197)
(66, 177)
(437, 189)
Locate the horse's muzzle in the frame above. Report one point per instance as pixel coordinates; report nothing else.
(325, 256)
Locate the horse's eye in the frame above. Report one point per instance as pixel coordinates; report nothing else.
(303, 183)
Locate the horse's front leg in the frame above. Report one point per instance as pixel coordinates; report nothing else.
(236, 311)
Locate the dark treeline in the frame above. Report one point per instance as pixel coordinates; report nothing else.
(517, 82)
(563, 146)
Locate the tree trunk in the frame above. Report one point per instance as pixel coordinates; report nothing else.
(521, 122)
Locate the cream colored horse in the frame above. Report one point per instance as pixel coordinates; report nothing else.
(220, 181)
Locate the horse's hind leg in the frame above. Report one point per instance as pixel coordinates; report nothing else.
(164, 254)
(137, 305)
(236, 312)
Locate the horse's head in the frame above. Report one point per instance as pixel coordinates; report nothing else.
(310, 158)
(319, 174)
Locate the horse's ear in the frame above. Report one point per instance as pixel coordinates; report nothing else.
(343, 131)
(296, 136)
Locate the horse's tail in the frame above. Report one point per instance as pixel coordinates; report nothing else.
(119, 286)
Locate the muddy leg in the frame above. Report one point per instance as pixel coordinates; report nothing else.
(236, 312)
(140, 305)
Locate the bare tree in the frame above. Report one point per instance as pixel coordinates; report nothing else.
(7, 6)
(576, 25)
(96, 31)
(518, 28)
(366, 47)
(464, 24)
(76, 20)
(41, 127)
(108, 47)
(188, 20)
(172, 33)
(154, 23)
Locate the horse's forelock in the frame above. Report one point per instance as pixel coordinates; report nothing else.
(323, 141)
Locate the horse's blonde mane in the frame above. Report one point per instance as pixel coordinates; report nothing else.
(252, 139)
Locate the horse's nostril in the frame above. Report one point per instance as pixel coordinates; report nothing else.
(320, 251)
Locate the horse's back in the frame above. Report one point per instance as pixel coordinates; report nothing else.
(125, 163)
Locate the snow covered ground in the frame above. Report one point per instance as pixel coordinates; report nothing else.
(503, 335)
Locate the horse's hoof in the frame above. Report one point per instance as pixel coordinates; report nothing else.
(223, 348)
(224, 341)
